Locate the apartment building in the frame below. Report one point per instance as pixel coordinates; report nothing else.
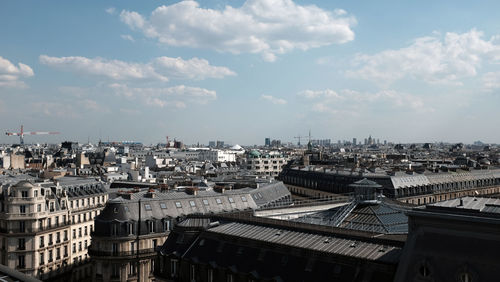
(268, 164)
(45, 226)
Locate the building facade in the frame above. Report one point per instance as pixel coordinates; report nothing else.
(134, 224)
(265, 164)
(45, 226)
(410, 187)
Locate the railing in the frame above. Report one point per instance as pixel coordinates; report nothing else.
(342, 213)
(34, 229)
(101, 253)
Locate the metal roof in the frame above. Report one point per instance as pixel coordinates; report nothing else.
(317, 242)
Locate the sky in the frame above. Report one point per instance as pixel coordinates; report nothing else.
(241, 71)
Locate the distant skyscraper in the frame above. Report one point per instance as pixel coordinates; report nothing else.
(211, 144)
(354, 141)
(268, 142)
(220, 144)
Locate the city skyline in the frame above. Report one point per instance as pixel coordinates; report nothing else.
(124, 70)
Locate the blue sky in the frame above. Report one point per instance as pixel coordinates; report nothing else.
(240, 71)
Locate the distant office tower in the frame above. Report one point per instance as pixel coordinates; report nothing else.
(268, 142)
(211, 144)
(354, 141)
(220, 144)
(276, 143)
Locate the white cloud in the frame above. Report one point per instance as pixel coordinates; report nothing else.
(10, 74)
(92, 105)
(350, 101)
(265, 27)
(159, 69)
(274, 100)
(431, 59)
(177, 96)
(127, 37)
(491, 80)
(111, 10)
(194, 68)
(54, 109)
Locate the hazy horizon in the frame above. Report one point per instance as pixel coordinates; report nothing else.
(241, 71)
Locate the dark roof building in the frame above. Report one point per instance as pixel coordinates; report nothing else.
(455, 240)
(133, 224)
(224, 249)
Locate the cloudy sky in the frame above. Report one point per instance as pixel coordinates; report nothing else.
(240, 71)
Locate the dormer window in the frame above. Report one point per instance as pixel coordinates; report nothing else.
(151, 226)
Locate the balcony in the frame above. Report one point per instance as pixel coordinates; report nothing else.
(102, 253)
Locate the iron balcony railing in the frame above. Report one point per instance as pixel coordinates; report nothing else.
(102, 253)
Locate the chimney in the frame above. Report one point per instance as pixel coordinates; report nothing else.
(220, 189)
(192, 191)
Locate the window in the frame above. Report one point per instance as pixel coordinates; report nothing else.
(130, 228)
(114, 249)
(114, 229)
(58, 253)
(51, 258)
(22, 228)
(205, 202)
(20, 262)
(151, 226)
(74, 248)
(147, 207)
(24, 194)
(21, 244)
(65, 251)
(163, 205)
(42, 244)
(219, 202)
(35, 193)
(58, 237)
(166, 225)
(231, 200)
(22, 209)
(50, 239)
(210, 275)
(39, 208)
(42, 259)
(173, 267)
(192, 204)
(74, 233)
(192, 272)
(178, 204)
(79, 232)
(131, 269)
(85, 233)
(243, 198)
(132, 247)
(115, 270)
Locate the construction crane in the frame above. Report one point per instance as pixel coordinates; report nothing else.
(22, 133)
(298, 137)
